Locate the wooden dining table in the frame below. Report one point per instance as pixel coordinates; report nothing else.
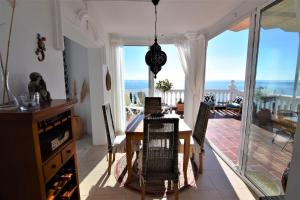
(135, 130)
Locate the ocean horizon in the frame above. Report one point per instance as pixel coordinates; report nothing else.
(284, 87)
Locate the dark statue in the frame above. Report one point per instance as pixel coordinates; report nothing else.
(37, 84)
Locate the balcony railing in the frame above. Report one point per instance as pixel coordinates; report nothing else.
(278, 102)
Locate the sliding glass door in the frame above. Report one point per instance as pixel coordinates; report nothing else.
(274, 102)
(224, 89)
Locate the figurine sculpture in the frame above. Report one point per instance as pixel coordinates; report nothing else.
(37, 84)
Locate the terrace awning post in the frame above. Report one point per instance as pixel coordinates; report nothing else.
(295, 93)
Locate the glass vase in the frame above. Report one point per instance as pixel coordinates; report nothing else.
(8, 101)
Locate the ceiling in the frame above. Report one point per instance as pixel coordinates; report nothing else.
(135, 18)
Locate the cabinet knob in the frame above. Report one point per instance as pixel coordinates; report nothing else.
(53, 166)
(69, 151)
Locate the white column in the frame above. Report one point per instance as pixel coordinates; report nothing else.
(195, 76)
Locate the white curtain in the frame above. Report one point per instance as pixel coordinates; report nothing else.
(192, 54)
(118, 87)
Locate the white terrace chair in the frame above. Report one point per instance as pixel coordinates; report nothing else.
(131, 108)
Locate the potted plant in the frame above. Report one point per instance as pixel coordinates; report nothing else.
(180, 106)
(164, 86)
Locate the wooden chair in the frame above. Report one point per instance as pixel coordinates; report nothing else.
(198, 137)
(115, 143)
(160, 152)
(152, 105)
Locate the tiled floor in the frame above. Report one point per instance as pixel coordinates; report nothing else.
(265, 159)
(218, 181)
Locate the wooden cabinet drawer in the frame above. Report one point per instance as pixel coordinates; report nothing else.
(51, 167)
(68, 151)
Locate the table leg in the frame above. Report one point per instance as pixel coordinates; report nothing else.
(128, 157)
(186, 157)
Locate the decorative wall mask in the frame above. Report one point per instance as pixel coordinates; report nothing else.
(108, 80)
(41, 48)
(84, 91)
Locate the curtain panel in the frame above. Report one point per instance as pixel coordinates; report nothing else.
(192, 53)
(118, 102)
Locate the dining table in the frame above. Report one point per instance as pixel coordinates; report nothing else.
(135, 130)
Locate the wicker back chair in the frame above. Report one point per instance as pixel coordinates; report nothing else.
(160, 151)
(199, 133)
(115, 143)
(201, 124)
(152, 105)
(198, 137)
(109, 125)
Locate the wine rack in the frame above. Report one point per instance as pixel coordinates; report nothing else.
(39, 154)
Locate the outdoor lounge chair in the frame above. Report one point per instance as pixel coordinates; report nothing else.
(132, 109)
(141, 98)
(287, 123)
(236, 105)
(210, 100)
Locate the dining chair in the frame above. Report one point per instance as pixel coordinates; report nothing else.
(152, 105)
(198, 136)
(160, 152)
(115, 143)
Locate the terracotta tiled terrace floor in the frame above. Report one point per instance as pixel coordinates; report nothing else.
(265, 159)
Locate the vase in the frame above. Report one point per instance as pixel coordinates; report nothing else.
(8, 100)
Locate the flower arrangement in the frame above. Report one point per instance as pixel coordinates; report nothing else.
(164, 85)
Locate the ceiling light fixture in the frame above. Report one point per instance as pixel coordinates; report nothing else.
(155, 57)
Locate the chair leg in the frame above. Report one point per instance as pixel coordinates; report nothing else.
(193, 156)
(201, 155)
(109, 163)
(143, 189)
(114, 157)
(175, 190)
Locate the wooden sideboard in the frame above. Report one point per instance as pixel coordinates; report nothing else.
(30, 168)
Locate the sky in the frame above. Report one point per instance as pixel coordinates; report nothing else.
(227, 55)
(226, 58)
(136, 68)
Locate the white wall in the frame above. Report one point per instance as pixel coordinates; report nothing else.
(96, 58)
(78, 70)
(30, 19)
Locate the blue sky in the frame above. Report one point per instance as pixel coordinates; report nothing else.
(277, 57)
(137, 69)
(226, 58)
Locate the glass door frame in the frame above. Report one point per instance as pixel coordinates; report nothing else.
(251, 67)
(250, 78)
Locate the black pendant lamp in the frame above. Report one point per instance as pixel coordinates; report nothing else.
(155, 57)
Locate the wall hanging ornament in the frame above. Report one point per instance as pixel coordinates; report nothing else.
(155, 57)
(41, 48)
(108, 80)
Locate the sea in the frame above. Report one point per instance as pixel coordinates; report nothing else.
(283, 87)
